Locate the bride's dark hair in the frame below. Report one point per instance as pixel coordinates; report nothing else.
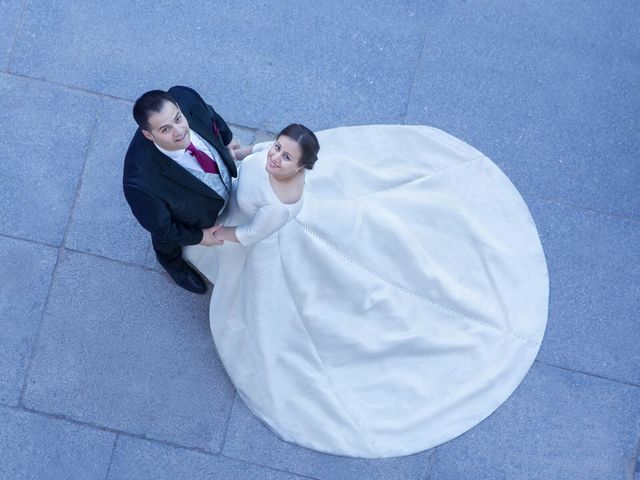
(307, 141)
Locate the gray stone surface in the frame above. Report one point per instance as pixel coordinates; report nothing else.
(102, 222)
(25, 278)
(244, 135)
(37, 447)
(136, 459)
(250, 440)
(264, 136)
(123, 347)
(8, 27)
(45, 132)
(549, 91)
(546, 91)
(594, 276)
(558, 424)
(321, 64)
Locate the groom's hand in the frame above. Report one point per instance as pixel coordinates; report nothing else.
(208, 240)
(232, 147)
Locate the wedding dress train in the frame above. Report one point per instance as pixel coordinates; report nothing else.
(402, 301)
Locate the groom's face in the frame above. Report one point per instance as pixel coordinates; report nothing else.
(168, 128)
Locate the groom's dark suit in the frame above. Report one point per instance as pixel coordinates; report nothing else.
(167, 200)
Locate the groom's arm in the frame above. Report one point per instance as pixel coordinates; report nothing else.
(154, 216)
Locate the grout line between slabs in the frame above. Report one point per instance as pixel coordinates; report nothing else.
(116, 260)
(256, 464)
(113, 452)
(89, 148)
(588, 374)
(226, 425)
(632, 469)
(106, 96)
(413, 79)
(165, 443)
(67, 86)
(224, 439)
(29, 240)
(138, 436)
(432, 459)
(586, 209)
(36, 339)
(54, 273)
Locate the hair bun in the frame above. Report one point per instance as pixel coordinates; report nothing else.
(306, 139)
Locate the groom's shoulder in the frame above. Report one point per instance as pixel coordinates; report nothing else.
(183, 90)
(138, 156)
(186, 96)
(139, 145)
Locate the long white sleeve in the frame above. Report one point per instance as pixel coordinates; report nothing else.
(267, 220)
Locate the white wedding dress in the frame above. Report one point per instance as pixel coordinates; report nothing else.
(394, 307)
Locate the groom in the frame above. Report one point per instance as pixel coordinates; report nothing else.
(177, 175)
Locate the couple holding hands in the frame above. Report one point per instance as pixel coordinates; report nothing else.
(376, 303)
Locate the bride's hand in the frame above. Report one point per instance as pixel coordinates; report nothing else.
(226, 234)
(208, 236)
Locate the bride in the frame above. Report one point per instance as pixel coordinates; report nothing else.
(378, 302)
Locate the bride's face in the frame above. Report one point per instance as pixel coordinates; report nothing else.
(283, 158)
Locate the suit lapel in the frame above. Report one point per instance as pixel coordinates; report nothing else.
(177, 173)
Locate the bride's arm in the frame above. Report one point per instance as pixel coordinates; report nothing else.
(267, 220)
(242, 152)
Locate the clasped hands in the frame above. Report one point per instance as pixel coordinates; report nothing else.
(208, 236)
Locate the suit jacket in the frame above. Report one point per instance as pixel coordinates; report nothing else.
(168, 201)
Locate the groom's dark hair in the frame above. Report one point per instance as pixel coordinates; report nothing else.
(150, 102)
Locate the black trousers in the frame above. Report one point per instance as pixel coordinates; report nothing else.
(169, 255)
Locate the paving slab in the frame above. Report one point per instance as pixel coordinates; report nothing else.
(44, 139)
(323, 64)
(37, 447)
(558, 424)
(25, 278)
(8, 26)
(123, 347)
(594, 276)
(547, 92)
(136, 459)
(102, 222)
(250, 440)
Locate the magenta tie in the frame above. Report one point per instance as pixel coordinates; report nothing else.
(207, 164)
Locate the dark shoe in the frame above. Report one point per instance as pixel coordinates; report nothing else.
(189, 279)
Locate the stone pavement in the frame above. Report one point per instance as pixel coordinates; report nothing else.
(102, 379)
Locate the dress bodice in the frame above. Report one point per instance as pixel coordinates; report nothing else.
(264, 213)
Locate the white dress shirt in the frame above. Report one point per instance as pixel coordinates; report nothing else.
(185, 159)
